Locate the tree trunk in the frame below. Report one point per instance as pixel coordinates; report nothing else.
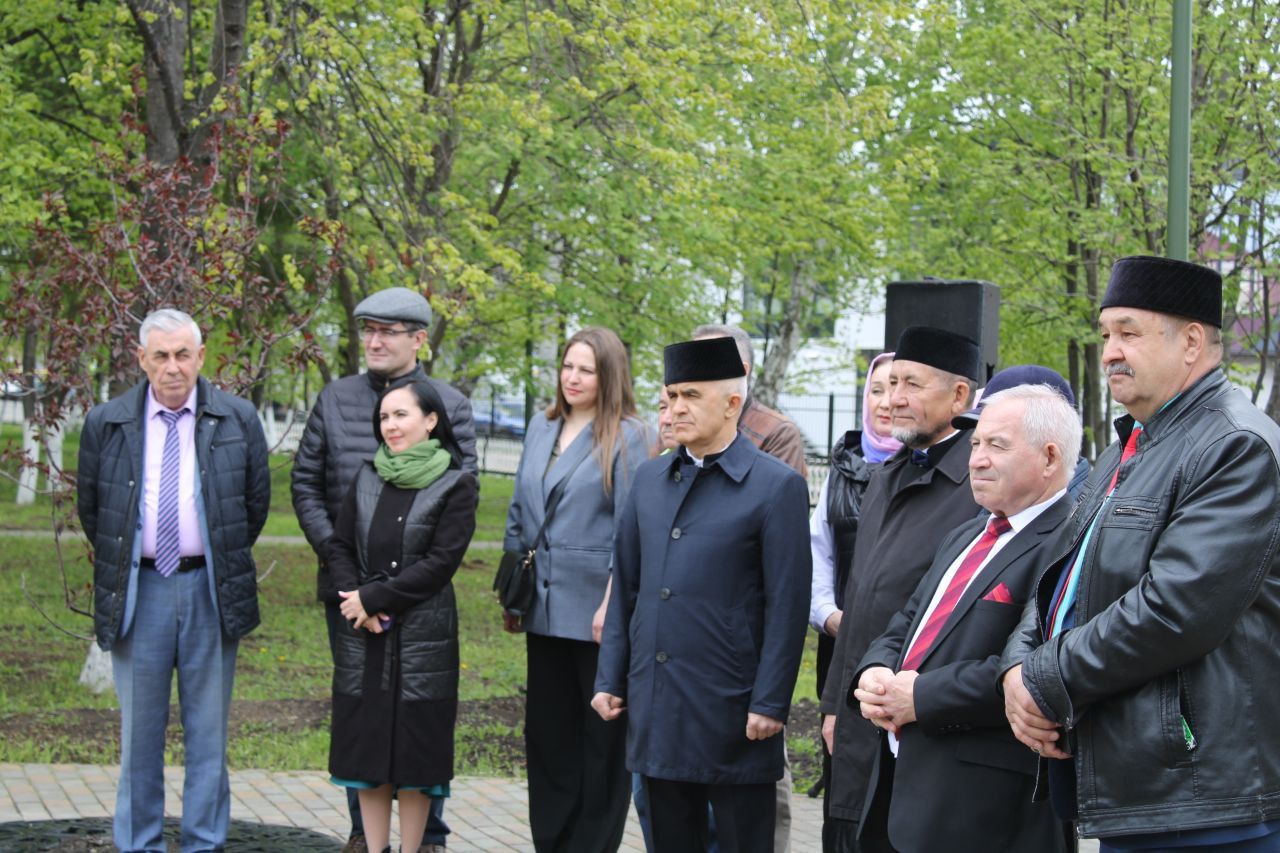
(28, 474)
(1097, 433)
(789, 334)
(163, 28)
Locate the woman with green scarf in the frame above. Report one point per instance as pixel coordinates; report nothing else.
(397, 542)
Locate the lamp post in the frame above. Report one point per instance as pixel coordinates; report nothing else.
(1178, 237)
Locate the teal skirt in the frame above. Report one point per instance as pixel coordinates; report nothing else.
(435, 792)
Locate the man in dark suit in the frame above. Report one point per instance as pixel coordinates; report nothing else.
(912, 501)
(949, 773)
(707, 616)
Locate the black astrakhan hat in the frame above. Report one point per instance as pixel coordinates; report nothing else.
(1167, 286)
(941, 349)
(702, 361)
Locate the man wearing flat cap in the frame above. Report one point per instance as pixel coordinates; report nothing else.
(912, 501)
(339, 438)
(1144, 668)
(707, 617)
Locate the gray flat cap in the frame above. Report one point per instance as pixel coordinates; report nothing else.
(395, 305)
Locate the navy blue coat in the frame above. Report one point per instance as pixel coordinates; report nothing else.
(708, 613)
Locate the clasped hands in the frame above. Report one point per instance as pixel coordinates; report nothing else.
(887, 699)
(759, 726)
(353, 611)
(1029, 724)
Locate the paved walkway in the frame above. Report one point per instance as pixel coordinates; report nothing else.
(484, 813)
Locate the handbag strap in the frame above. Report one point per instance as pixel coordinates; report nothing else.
(553, 501)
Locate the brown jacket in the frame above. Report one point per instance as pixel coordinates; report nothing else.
(774, 433)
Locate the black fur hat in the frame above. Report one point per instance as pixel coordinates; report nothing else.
(1167, 286)
(702, 361)
(941, 349)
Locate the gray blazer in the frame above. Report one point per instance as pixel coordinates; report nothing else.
(573, 562)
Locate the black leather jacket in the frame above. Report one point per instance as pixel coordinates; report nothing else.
(1177, 618)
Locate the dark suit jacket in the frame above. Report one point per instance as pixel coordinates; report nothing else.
(907, 512)
(961, 781)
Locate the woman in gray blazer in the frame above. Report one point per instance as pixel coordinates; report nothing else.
(591, 439)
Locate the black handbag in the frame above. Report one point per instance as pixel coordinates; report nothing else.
(517, 571)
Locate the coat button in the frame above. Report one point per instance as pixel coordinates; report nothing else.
(131, 483)
(546, 583)
(664, 593)
(675, 533)
(677, 476)
(662, 657)
(394, 564)
(400, 518)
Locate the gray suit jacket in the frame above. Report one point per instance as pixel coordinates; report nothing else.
(573, 560)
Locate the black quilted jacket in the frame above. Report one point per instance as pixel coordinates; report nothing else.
(235, 483)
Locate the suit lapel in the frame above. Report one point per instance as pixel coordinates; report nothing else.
(573, 454)
(1022, 542)
(935, 575)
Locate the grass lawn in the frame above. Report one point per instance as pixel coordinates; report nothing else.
(280, 707)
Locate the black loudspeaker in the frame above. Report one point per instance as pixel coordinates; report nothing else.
(969, 308)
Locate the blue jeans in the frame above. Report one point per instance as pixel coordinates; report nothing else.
(437, 829)
(175, 626)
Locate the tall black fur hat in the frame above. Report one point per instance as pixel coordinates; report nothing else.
(1167, 286)
(941, 349)
(702, 361)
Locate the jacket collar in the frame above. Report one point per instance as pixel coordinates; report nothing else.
(378, 382)
(1206, 387)
(952, 461)
(132, 406)
(735, 461)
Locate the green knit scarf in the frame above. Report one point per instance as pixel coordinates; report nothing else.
(415, 468)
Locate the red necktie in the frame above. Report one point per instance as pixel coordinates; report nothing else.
(959, 581)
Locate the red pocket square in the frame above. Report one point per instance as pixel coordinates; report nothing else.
(1000, 594)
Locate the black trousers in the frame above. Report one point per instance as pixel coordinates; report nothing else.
(579, 787)
(871, 834)
(744, 816)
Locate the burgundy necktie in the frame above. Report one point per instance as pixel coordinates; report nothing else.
(959, 581)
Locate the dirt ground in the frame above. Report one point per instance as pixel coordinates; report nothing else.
(83, 735)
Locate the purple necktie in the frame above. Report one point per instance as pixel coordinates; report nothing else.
(168, 546)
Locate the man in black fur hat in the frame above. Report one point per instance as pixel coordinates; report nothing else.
(1144, 669)
(708, 611)
(915, 498)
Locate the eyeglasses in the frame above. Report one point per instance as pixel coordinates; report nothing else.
(369, 334)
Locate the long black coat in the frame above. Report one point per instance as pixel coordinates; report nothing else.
(708, 613)
(906, 512)
(395, 694)
(960, 774)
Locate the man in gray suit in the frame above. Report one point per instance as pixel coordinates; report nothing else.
(339, 438)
